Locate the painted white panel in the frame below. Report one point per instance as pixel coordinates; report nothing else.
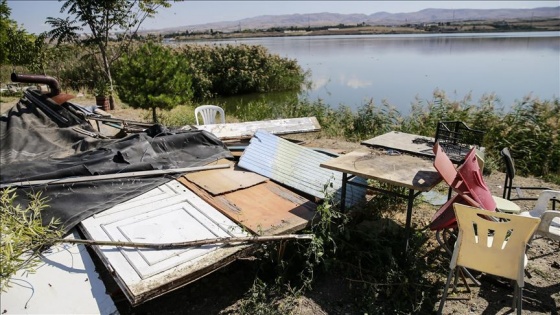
(169, 213)
(64, 283)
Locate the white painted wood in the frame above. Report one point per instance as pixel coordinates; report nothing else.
(248, 129)
(64, 283)
(169, 213)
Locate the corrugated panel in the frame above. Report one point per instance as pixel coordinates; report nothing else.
(169, 213)
(247, 129)
(65, 282)
(297, 167)
(264, 209)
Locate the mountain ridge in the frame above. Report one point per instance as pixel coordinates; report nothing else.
(429, 15)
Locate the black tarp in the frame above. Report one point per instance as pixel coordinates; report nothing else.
(40, 140)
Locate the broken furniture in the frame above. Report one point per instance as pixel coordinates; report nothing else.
(414, 173)
(510, 175)
(485, 245)
(550, 218)
(209, 113)
(130, 189)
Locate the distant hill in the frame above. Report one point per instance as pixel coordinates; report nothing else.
(379, 18)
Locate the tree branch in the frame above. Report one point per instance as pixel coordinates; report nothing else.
(221, 240)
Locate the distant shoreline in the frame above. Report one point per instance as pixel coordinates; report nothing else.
(434, 28)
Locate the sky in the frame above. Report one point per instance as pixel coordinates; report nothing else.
(31, 15)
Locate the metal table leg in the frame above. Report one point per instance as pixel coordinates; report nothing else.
(343, 193)
(409, 215)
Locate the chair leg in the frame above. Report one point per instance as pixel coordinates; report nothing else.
(444, 296)
(519, 299)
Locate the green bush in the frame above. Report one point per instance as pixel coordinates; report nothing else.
(223, 70)
(152, 77)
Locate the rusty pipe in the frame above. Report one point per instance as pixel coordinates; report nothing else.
(34, 78)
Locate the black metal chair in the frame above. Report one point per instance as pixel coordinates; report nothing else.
(509, 185)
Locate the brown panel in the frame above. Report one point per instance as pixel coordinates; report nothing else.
(264, 209)
(225, 180)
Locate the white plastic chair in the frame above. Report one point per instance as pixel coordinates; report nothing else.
(485, 245)
(209, 113)
(550, 219)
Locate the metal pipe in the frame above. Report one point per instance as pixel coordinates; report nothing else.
(34, 78)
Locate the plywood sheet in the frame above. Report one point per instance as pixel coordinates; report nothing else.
(403, 142)
(169, 213)
(225, 180)
(264, 209)
(248, 129)
(403, 170)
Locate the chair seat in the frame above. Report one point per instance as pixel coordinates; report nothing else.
(507, 206)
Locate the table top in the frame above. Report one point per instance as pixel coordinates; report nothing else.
(413, 172)
(403, 142)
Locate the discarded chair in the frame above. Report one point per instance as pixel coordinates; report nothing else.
(550, 219)
(209, 113)
(484, 245)
(510, 175)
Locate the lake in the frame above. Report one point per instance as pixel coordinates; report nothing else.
(398, 69)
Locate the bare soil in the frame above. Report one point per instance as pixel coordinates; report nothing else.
(222, 291)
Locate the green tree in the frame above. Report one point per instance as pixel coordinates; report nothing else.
(103, 19)
(153, 77)
(17, 47)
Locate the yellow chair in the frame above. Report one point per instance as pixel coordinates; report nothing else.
(209, 113)
(488, 239)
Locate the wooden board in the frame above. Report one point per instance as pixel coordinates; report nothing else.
(403, 142)
(401, 170)
(224, 180)
(264, 209)
(245, 130)
(168, 213)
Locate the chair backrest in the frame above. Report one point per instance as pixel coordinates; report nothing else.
(471, 175)
(445, 168)
(492, 246)
(209, 113)
(544, 198)
(508, 160)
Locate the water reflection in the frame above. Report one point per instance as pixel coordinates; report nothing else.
(398, 69)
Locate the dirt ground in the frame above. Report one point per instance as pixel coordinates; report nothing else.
(221, 292)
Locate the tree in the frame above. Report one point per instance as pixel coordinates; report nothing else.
(103, 19)
(153, 77)
(17, 47)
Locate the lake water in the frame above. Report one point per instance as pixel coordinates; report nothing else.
(353, 70)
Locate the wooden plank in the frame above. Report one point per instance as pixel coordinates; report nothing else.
(401, 170)
(264, 209)
(225, 180)
(403, 142)
(169, 213)
(245, 130)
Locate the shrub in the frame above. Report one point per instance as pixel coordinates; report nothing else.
(223, 70)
